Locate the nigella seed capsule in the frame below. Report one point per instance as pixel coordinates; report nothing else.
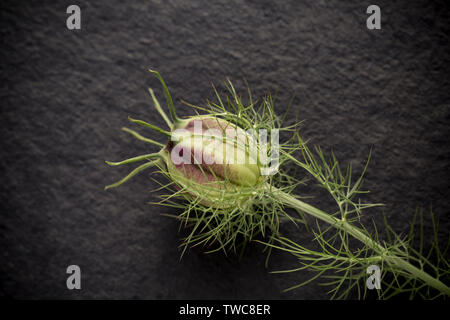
(218, 168)
(212, 159)
(209, 159)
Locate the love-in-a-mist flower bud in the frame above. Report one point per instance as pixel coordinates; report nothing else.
(214, 160)
(220, 168)
(223, 171)
(211, 160)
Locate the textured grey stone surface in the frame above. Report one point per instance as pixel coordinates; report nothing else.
(66, 94)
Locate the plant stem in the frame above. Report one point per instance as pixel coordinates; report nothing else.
(361, 236)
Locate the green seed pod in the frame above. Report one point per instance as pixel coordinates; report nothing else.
(214, 160)
(217, 168)
(233, 196)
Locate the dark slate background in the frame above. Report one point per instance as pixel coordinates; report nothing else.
(66, 94)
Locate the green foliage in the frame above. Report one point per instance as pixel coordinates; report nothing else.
(233, 226)
(237, 215)
(406, 268)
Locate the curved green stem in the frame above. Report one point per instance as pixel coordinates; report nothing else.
(361, 236)
(134, 159)
(159, 109)
(133, 173)
(139, 137)
(146, 124)
(173, 114)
